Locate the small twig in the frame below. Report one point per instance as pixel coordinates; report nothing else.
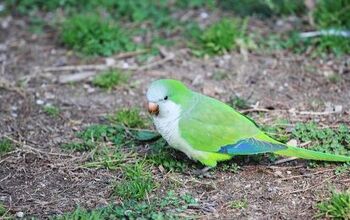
(311, 187)
(130, 54)
(255, 110)
(5, 84)
(304, 175)
(284, 160)
(100, 67)
(26, 146)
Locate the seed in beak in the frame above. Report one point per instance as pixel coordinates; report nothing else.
(153, 108)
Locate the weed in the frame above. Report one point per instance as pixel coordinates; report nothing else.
(195, 3)
(2, 210)
(5, 146)
(36, 25)
(137, 182)
(171, 206)
(97, 132)
(93, 35)
(332, 14)
(238, 103)
(337, 207)
(51, 110)
(239, 204)
(230, 167)
(129, 117)
(263, 8)
(278, 131)
(163, 155)
(342, 168)
(219, 38)
(334, 141)
(110, 79)
(78, 146)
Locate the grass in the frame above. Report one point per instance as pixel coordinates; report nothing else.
(169, 206)
(220, 37)
(337, 207)
(137, 182)
(334, 141)
(51, 111)
(110, 79)
(238, 103)
(3, 210)
(92, 35)
(129, 117)
(164, 156)
(332, 14)
(230, 167)
(263, 8)
(5, 146)
(239, 204)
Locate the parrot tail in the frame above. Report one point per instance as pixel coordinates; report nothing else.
(302, 153)
(311, 155)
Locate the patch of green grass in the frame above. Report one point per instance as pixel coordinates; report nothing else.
(163, 155)
(51, 110)
(332, 14)
(220, 37)
(170, 206)
(137, 182)
(278, 130)
(110, 79)
(337, 207)
(238, 103)
(2, 210)
(129, 117)
(263, 8)
(92, 35)
(195, 3)
(230, 167)
(5, 146)
(97, 132)
(239, 204)
(78, 146)
(334, 141)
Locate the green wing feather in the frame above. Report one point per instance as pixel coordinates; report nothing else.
(211, 125)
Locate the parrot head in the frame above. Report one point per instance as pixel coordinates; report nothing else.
(165, 95)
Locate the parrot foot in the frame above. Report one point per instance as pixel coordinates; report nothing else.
(203, 172)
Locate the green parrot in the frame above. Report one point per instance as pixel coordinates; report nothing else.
(209, 131)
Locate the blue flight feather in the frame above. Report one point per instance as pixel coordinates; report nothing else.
(251, 146)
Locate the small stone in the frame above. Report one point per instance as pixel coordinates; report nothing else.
(39, 102)
(278, 173)
(110, 61)
(204, 15)
(292, 142)
(272, 189)
(289, 172)
(198, 80)
(19, 214)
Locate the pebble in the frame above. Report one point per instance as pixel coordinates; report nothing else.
(204, 15)
(20, 214)
(110, 61)
(39, 102)
(198, 80)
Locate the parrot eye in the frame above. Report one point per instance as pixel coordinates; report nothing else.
(166, 98)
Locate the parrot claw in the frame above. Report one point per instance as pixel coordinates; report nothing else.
(203, 172)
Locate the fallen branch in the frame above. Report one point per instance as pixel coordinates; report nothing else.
(312, 187)
(100, 67)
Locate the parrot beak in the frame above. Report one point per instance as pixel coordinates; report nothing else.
(153, 108)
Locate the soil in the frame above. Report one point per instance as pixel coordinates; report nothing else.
(41, 180)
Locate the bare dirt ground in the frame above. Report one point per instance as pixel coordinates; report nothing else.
(41, 180)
